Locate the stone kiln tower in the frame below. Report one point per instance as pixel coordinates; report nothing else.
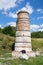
(23, 36)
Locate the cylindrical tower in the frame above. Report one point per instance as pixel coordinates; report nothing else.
(23, 36)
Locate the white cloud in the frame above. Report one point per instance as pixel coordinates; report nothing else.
(35, 27)
(12, 15)
(12, 24)
(7, 4)
(40, 30)
(40, 10)
(41, 25)
(27, 8)
(41, 17)
(1, 26)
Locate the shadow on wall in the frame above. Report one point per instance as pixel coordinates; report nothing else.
(23, 51)
(13, 46)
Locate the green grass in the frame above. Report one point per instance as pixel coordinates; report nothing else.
(5, 53)
(30, 61)
(37, 43)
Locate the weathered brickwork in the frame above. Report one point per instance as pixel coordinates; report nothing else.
(23, 36)
(23, 33)
(23, 26)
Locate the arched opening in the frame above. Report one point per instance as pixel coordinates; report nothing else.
(23, 51)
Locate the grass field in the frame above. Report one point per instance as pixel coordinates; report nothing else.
(30, 61)
(37, 44)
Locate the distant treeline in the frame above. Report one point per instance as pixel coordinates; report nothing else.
(38, 34)
(10, 30)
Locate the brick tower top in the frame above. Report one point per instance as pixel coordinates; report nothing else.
(22, 14)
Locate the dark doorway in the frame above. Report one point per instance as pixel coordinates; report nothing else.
(13, 46)
(23, 51)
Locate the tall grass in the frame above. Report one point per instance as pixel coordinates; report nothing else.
(37, 43)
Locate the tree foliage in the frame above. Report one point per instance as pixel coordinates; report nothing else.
(0, 30)
(9, 30)
(38, 34)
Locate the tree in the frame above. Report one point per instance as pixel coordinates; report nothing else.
(9, 30)
(38, 34)
(0, 30)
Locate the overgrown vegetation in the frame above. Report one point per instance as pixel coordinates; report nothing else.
(6, 41)
(9, 30)
(30, 61)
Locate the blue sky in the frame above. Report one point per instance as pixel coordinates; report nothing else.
(9, 9)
